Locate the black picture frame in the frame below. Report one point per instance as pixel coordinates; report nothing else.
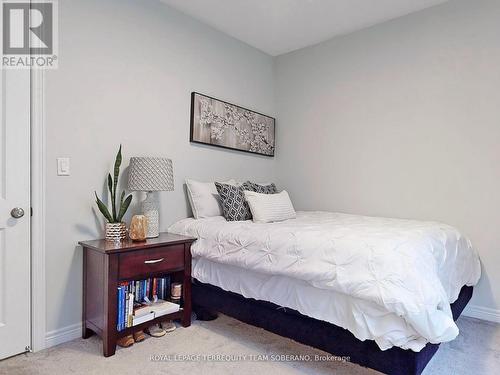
(196, 127)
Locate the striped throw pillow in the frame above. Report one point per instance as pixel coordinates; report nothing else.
(268, 208)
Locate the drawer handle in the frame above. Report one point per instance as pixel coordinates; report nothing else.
(154, 261)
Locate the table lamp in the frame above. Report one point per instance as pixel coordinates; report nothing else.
(151, 174)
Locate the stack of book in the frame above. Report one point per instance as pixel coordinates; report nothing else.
(134, 295)
(149, 288)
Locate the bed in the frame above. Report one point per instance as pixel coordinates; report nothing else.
(384, 292)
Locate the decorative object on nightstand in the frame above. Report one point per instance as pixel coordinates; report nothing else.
(151, 174)
(115, 228)
(138, 228)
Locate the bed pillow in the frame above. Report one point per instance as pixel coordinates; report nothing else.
(268, 208)
(234, 205)
(261, 188)
(204, 198)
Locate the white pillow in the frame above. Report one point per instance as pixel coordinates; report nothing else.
(267, 208)
(204, 198)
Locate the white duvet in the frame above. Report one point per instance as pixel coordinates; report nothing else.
(412, 269)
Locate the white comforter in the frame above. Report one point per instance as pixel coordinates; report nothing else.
(412, 269)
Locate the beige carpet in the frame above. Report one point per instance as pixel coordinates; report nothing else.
(475, 352)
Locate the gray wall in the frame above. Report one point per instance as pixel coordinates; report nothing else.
(402, 120)
(125, 76)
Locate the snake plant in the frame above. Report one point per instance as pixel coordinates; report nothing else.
(114, 216)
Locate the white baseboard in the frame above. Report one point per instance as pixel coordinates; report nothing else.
(483, 313)
(62, 335)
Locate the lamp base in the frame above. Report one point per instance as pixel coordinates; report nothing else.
(150, 209)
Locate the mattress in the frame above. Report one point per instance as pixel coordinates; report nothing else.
(388, 280)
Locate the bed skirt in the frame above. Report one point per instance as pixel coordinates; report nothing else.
(319, 334)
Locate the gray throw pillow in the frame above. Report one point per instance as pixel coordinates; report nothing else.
(234, 205)
(263, 189)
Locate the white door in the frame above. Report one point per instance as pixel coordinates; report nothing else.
(15, 215)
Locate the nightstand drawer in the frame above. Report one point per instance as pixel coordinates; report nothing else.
(138, 263)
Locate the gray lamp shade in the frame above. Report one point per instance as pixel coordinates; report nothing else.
(150, 174)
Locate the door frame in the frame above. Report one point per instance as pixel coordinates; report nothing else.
(38, 169)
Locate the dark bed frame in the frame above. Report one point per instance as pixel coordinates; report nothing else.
(209, 299)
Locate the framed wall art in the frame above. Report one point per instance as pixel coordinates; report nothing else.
(218, 123)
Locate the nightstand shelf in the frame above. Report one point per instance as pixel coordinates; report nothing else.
(174, 316)
(106, 264)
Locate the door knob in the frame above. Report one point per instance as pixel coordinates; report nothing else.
(17, 212)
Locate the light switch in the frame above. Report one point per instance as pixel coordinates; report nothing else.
(63, 166)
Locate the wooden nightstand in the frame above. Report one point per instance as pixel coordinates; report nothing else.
(106, 264)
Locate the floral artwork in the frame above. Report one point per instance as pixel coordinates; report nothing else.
(222, 124)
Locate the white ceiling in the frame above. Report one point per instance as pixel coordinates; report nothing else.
(280, 26)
